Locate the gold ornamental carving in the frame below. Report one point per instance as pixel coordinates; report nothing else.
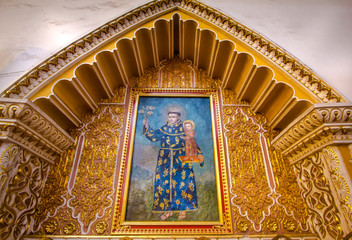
(202, 80)
(260, 204)
(93, 189)
(322, 125)
(175, 73)
(248, 175)
(229, 98)
(22, 193)
(325, 216)
(101, 227)
(119, 96)
(272, 226)
(53, 196)
(151, 10)
(242, 226)
(150, 79)
(61, 223)
(8, 162)
(23, 123)
(339, 179)
(69, 228)
(289, 193)
(50, 227)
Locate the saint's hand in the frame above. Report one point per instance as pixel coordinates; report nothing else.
(201, 158)
(145, 122)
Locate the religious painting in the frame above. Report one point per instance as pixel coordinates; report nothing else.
(172, 155)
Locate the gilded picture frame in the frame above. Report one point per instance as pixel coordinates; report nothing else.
(173, 178)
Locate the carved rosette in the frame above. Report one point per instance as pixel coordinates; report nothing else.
(339, 181)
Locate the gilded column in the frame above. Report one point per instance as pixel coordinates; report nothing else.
(24, 175)
(316, 145)
(30, 143)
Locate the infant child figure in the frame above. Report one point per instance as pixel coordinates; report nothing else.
(190, 143)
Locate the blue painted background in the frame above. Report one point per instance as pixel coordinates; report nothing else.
(145, 155)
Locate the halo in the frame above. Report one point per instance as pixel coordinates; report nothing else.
(189, 121)
(175, 107)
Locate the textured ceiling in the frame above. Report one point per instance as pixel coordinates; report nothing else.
(317, 32)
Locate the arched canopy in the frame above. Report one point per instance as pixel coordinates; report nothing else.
(74, 80)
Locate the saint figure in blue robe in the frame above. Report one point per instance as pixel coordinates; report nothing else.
(174, 183)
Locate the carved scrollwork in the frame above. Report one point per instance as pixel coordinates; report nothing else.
(93, 189)
(250, 188)
(23, 123)
(55, 189)
(22, 195)
(282, 208)
(7, 165)
(175, 73)
(325, 216)
(331, 115)
(322, 125)
(339, 179)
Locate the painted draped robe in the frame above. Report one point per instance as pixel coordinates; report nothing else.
(174, 183)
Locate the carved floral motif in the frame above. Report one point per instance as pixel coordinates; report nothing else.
(249, 182)
(175, 73)
(8, 163)
(55, 189)
(62, 221)
(93, 189)
(261, 206)
(340, 181)
(325, 216)
(289, 193)
(101, 227)
(50, 227)
(22, 194)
